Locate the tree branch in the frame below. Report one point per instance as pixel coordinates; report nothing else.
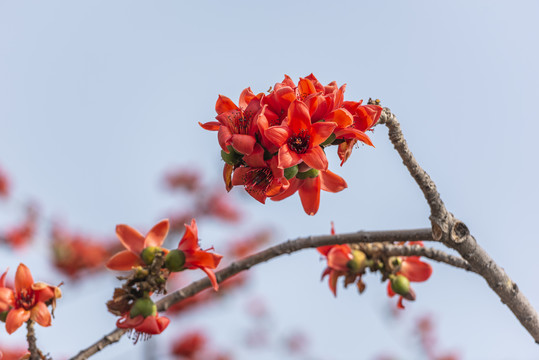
(288, 247)
(31, 338)
(455, 234)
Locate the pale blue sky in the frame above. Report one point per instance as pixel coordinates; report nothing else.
(98, 98)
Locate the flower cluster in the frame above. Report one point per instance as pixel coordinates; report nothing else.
(273, 144)
(152, 265)
(26, 301)
(352, 262)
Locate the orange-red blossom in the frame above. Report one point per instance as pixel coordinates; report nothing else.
(27, 301)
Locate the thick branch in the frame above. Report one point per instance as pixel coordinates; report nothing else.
(455, 234)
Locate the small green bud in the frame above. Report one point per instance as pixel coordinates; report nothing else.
(329, 140)
(143, 306)
(357, 264)
(290, 172)
(175, 260)
(400, 285)
(311, 173)
(148, 254)
(3, 315)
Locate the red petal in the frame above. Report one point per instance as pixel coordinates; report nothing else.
(277, 134)
(309, 194)
(189, 241)
(43, 292)
(298, 117)
(212, 278)
(315, 158)
(288, 158)
(321, 131)
(351, 133)
(342, 117)
(224, 104)
(157, 234)
(3, 279)
(333, 277)
(339, 256)
(256, 158)
(305, 87)
(6, 297)
(415, 269)
(202, 259)
(295, 183)
(130, 238)
(331, 182)
(245, 98)
(211, 125)
(23, 278)
(223, 137)
(243, 143)
(123, 261)
(15, 318)
(41, 314)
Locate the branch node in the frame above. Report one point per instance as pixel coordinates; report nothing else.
(459, 232)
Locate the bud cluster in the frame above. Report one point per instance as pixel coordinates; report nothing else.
(353, 261)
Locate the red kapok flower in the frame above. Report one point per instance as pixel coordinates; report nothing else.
(146, 326)
(27, 300)
(195, 257)
(135, 243)
(261, 178)
(412, 269)
(237, 126)
(338, 257)
(299, 140)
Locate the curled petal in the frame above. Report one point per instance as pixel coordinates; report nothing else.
(224, 104)
(244, 144)
(202, 259)
(15, 318)
(321, 131)
(212, 278)
(277, 134)
(332, 182)
(333, 277)
(41, 314)
(3, 279)
(157, 234)
(189, 241)
(211, 125)
(338, 257)
(227, 176)
(130, 238)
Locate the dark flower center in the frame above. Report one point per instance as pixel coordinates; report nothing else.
(25, 299)
(299, 143)
(240, 122)
(258, 180)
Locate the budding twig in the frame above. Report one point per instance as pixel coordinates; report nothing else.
(288, 247)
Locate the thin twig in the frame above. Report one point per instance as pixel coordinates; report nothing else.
(455, 234)
(289, 247)
(31, 338)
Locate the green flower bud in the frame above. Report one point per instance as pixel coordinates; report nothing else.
(329, 140)
(143, 306)
(311, 173)
(357, 264)
(148, 254)
(175, 260)
(400, 285)
(290, 172)
(3, 315)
